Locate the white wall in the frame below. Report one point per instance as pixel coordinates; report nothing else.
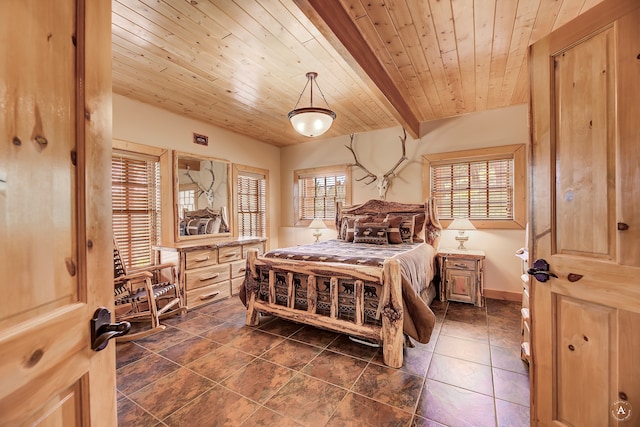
(380, 150)
(145, 124)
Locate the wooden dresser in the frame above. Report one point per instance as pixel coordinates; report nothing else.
(209, 271)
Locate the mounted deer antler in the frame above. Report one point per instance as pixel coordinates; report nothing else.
(383, 180)
(360, 165)
(208, 193)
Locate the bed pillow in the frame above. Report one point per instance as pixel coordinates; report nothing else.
(393, 231)
(371, 232)
(347, 226)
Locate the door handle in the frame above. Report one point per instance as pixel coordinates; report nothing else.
(540, 271)
(102, 330)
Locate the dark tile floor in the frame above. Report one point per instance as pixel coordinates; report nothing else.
(208, 369)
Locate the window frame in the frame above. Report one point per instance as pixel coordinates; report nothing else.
(319, 172)
(238, 170)
(161, 156)
(514, 152)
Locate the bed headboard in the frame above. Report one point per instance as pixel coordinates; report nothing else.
(430, 232)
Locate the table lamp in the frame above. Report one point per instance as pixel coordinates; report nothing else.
(461, 224)
(317, 224)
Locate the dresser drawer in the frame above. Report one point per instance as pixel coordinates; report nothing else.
(206, 276)
(236, 284)
(259, 246)
(201, 258)
(229, 254)
(460, 264)
(238, 268)
(208, 294)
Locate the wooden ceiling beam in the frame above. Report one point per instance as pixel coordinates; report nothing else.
(336, 25)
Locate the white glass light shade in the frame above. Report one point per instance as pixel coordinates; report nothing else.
(311, 121)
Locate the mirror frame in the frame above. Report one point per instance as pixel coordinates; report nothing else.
(177, 155)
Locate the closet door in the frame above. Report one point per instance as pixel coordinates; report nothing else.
(55, 212)
(586, 220)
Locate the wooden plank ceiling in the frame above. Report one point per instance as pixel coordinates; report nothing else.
(241, 64)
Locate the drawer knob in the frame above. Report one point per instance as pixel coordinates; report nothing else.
(229, 255)
(209, 277)
(202, 258)
(460, 265)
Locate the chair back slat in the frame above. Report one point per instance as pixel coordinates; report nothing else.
(119, 269)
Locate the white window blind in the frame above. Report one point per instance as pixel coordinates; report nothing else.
(252, 205)
(135, 189)
(474, 190)
(318, 195)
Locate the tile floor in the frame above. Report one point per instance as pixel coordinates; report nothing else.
(208, 369)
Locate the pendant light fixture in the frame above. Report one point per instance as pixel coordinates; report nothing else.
(311, 121)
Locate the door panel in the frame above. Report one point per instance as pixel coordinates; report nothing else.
(583, 363)
(584, 92)
(55, 212)
(584, 80)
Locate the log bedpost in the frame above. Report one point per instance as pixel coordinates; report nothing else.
(392, 315)
(252, 318)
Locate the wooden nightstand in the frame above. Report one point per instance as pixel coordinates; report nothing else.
(461, 275)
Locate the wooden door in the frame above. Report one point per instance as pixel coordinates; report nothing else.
(586, 220)
(55, 212)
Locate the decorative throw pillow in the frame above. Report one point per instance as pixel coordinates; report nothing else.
(371, 232)
(348, 226)
(394, 229)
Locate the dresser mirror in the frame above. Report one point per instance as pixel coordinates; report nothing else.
(202, 196)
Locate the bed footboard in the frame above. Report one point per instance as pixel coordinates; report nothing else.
(357, 300)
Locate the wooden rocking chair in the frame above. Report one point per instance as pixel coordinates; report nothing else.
(145, 295)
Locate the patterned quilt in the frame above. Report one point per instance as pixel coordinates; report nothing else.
(343, 252)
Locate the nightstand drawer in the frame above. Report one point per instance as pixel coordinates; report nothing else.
(460, 264)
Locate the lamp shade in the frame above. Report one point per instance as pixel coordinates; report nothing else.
(318, 224)
(311, 121)
(461, 224)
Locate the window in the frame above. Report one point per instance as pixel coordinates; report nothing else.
(251, 200)
(135, 189)
(316, 192)
(486, 185)
(186, 199)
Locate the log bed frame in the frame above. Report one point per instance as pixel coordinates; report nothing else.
(385, 326)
